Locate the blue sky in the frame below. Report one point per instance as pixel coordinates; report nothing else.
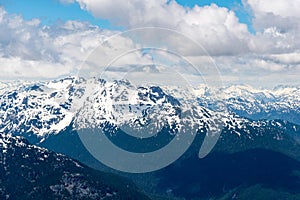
(49, 11)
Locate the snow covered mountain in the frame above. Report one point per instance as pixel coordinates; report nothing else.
(282, 102)
(37, 110)
(31, 172)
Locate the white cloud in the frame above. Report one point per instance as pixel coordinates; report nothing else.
(217, 29)
(281, 8)
(286, 58)
(282, 14)
(277, 24)
(31, 50)
(15, 67)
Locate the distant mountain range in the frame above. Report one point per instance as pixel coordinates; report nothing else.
(282, 102)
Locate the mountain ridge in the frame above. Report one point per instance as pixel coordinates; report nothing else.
(38, 109)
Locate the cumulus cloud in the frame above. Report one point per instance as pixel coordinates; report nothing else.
(281, 8)
(216, 28)
(277, 24)
(29, 49)
(272, 50)
(286, 58)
